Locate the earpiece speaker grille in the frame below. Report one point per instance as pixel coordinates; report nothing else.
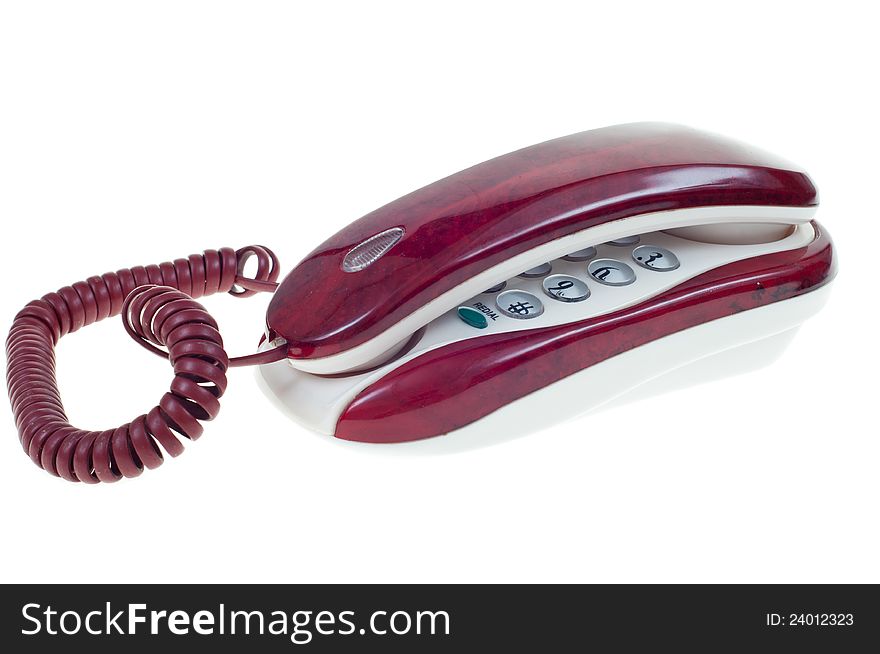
(368, 252)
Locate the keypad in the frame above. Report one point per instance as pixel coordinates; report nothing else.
(571, 282)
(519, 304)
(611, 272)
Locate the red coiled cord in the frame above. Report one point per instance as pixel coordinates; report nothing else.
(158, 310)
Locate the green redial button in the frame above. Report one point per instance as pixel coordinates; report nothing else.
(473, 317)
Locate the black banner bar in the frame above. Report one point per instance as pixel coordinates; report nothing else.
(436, 618)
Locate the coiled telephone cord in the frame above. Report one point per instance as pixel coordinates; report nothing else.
(159, 310)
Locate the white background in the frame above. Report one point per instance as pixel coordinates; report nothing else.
(133, 133)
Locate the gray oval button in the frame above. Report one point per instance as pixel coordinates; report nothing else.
(566, 288)
(611, 272)
(519, 305)
(655, 258)
(581, 255)
(496, 288)
(626, 240)
(537, 271)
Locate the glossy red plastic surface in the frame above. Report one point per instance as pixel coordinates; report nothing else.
(477, 218)
(452, 386)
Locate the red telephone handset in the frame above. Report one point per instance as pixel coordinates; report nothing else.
(463, 226)
(579, 266)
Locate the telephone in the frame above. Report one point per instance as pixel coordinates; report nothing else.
(562, 275)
